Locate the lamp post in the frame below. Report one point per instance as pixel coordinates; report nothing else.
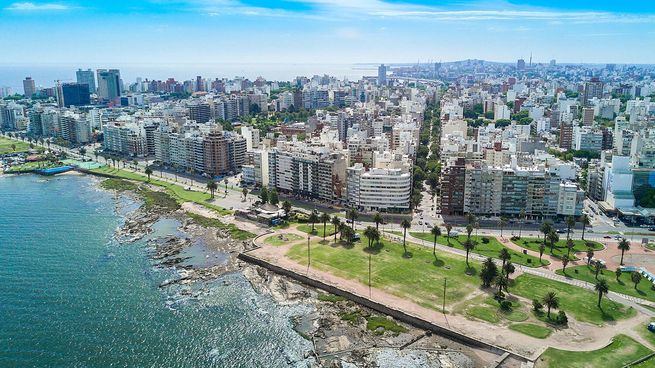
(308, 252)
(369, 275)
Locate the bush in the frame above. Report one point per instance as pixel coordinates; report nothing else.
(515, 238)
(506, 305)
(536, 305)
(562, 318)
(485, 240)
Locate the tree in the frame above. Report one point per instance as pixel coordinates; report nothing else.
(449, 228)
(590, 255)
(369, 233)
(244, 193)
(636, 278)
(286, 206)
(336, 222)
(504, 256)
(508, 269)
(273, 198)
(618, 273)
(551, 301)
(553, 238)
(570, 222)
(313, 218)
(521, 219)
(502, 222)
(624, 246)
(565, 262)
(488, 272)
(405, 224)
(584, 220)
(148, 171)
(546, 228)
(602, 288)
(212, 186)
(470, 218)
(501, 282)
(469, 230)
(378, 219)
(324, 219)
(263, 195)
(225, 181)
(542, 248)
(353, 215)
(597, 268)
(468, 247)
(83, 152)
(569, 245)
(436, 232)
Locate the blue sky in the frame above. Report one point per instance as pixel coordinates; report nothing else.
(324, 31)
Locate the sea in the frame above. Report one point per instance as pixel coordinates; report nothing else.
(72, 296)
(45, 75)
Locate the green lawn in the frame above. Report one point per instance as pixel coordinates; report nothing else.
(318, 229)
(490, 249)
(419, 278)
(234, 231)
(559, 250)
(180, 193)
(375, 322)
(625, 286)
(575, 301)
(275, 240)
(621, 351)
(531, 329)
(33, 166)
(6, 146)
(488, 309)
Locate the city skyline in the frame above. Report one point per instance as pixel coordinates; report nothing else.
(318, 31)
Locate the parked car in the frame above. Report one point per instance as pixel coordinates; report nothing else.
(561, 231)
(607, 237)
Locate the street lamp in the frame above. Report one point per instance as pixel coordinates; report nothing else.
(308, 252)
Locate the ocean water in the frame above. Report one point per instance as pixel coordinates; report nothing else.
(72, 297)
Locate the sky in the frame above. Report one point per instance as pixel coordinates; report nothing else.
(324, 31)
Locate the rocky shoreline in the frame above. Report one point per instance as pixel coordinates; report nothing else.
(338, 329)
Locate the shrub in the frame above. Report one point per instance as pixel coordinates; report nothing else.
(485, 240)
(562, 318)
(536, 305)
(506, 305)
(515, 238)
(576, 270)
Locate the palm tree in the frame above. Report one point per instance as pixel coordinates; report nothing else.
(336, 222)
(470, 218)
(449, 228)
(376, 236)
(468, 247)
(324, 218)
(244, 192)
(546, 228)
(602, 288)
(624, 246)
(501, 282)
(508, 269)
(590, 255)
(542, 248)
(405, 224)
(502, 222)
(226, 181)
(570, 222)
(569, 245)
(618, 273)
(584, 220)
(565, 262)
(597, 268)
(553, 238)
(521, 218)
(313, 218)
(436, 231)
(378, 219)
(148, 172)
(504, 256)
(212, 186)
(469, 230)
(369, 233)
(636, 278)
(352, 215)
(550, 300)
(286, 206)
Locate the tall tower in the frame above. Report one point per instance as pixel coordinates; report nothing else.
(382, 75)
(87, 77)
(29, 87)
(109, 84)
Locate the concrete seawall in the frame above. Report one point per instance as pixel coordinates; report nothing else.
(397, 314)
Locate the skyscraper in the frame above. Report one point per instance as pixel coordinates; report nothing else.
(109, 84)
(75, 94)
(87, 77)
(29, 87)
(382, 75)
(520, 64)
(593, 88)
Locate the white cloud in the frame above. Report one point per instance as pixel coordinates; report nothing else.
(28, 6)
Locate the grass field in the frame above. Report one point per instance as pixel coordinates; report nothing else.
(574, 301)
(419, 278)
(530, 329)
(621, 351)
(234, 231)
(307, 228)
(33, 166)
(624, 285)
(559, 250)
(490, 249)
(6, 146)
(276, 241)
(180, 193)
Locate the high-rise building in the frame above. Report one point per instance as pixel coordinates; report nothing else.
(29, 87)
(75, 94)
(109, 84)
(566, 136)
(200, 112)
(520, 64)
(592, 88)
(87, 77)
(382, 75)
